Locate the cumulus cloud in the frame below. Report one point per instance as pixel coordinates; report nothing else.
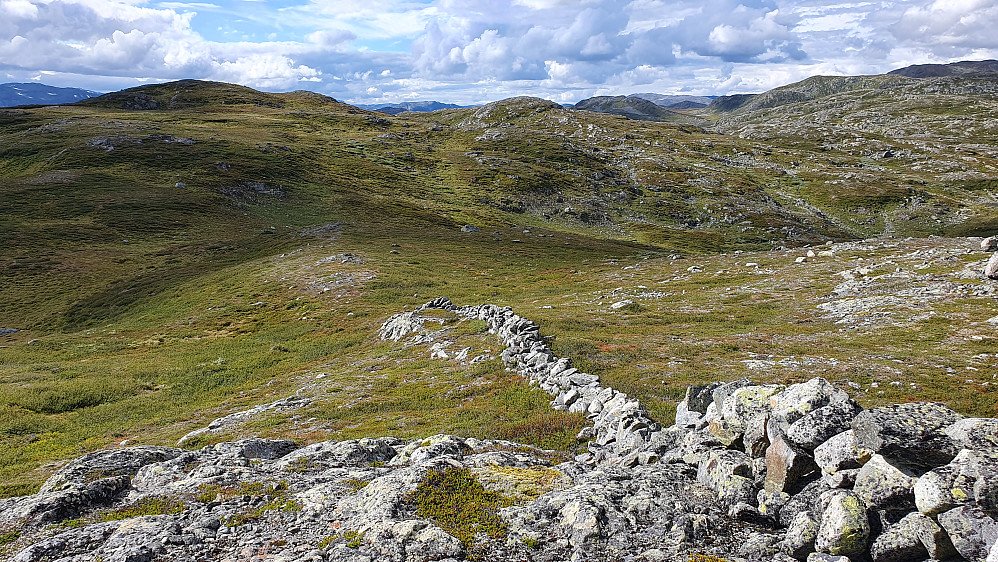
(470, 51)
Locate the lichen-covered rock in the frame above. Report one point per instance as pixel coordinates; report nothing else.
(819, 425)
(800, 537)
(912, 433)
(729, 473)
(634, 495)
(746, 403)
(770, 503)
(724, 390)
(722, 430)
(692, 408)
(798, 400)
(991, 268)
(353, 452)
(841, 452)
(825, 557)
(755, 441)
(721, 464)
(102, 464)
(432, 447)
(972, 531)
(785, 466)
(900, 542)
(696, 445)
(256, 448)
(971, 477)
(845, 478)
(844, 528)
(884, 485)
(69, 501)
(933, 538)
(980, 434)
(804, 500)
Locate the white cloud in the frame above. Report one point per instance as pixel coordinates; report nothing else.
(469, 51)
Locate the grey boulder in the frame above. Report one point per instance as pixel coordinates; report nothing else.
(885, 485)
(910, 433)
(972, 531)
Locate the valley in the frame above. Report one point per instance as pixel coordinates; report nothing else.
(177, 253)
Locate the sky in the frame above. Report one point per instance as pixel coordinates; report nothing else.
(474, 51)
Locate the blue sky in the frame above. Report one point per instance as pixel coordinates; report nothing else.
(473, 51)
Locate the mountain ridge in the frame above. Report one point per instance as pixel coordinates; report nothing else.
(14, 94)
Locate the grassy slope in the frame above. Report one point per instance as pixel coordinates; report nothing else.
(148, 309)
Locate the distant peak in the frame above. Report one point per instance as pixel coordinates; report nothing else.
(989, 66)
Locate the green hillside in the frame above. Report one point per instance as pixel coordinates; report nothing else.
(173, 253)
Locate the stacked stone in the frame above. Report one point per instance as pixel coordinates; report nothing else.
(621, 428)
(904, 482)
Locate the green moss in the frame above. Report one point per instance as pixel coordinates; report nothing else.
(706, 558)
(155, 505)
(530, 543)
(9, 536)
(352, 539)
(355, 484)
(456, 502)
(520, 484)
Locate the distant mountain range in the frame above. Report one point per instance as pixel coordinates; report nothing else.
(19, 93)
(419, 106)
(676, 101)
(819, 86)
(641, 109)
(952, 69)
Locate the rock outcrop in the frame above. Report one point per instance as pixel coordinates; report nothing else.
(748, 472)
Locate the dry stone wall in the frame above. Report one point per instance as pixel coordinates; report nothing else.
(748, 472)
(621, 427)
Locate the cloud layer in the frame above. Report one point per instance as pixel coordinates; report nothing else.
(468, 51)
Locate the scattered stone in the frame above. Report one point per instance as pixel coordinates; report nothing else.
(991, 269)
(470, 228)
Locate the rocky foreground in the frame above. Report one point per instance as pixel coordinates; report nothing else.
(748, 471)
